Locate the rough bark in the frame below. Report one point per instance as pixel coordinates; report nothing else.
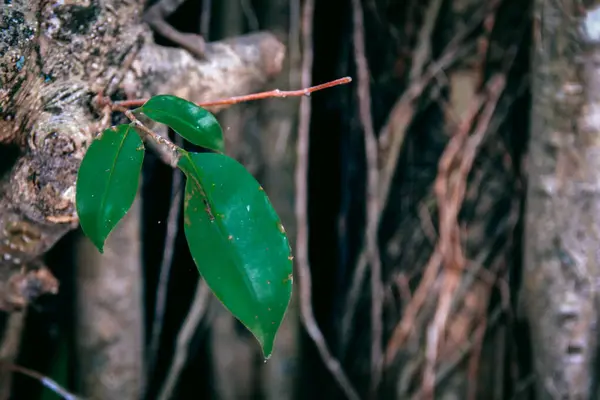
(51, 70)
(562, 263)
(56, 57)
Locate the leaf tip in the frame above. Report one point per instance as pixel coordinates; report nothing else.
(267, 348)
(99, 246)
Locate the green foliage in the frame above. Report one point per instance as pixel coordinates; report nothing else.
(107, 181)
(237, 242)
(193, 123)
(235, 236)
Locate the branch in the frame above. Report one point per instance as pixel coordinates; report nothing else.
(37, 197)
(372, 196)
(168, 152)
(392, 137)
(250, 97)
(230, 68)
(301, 207)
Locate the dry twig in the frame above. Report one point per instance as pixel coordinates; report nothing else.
(307, 91)
(393, 133)
(404, 327)
(400, 117)
(450, 192)
(372, 189)
(301, 206)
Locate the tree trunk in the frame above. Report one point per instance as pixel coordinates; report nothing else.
(562, 263)
(109, 329)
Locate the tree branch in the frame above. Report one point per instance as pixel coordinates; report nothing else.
(230, 68)
(372, 195)
(37, 198)
(301, 209)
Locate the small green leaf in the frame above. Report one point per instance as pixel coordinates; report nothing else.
(238, 243)
(107, 181)
(192, 122)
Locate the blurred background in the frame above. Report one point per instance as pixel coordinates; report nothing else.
(433, 70)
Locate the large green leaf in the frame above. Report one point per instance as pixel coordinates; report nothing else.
(107, 181)
(238, 243)
(192, 122)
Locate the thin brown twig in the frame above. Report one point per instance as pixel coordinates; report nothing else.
(420, 78)
(402, 282)
(301, 208)
(406, 324)
(392, 136)
(460, 354)
(168, 152)
(44, 380)
(250, 97)
(399, 120)
(372, 192)
(404, 327)
(449, 206)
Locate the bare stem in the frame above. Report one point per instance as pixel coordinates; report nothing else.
(372, 192)
(170, 152)
(250, 97)
(301, 207)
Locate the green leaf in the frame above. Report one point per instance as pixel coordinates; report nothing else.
(107, 181)
(192, 122)
(238, 243)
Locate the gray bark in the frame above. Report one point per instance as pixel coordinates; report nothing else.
(562, 262)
